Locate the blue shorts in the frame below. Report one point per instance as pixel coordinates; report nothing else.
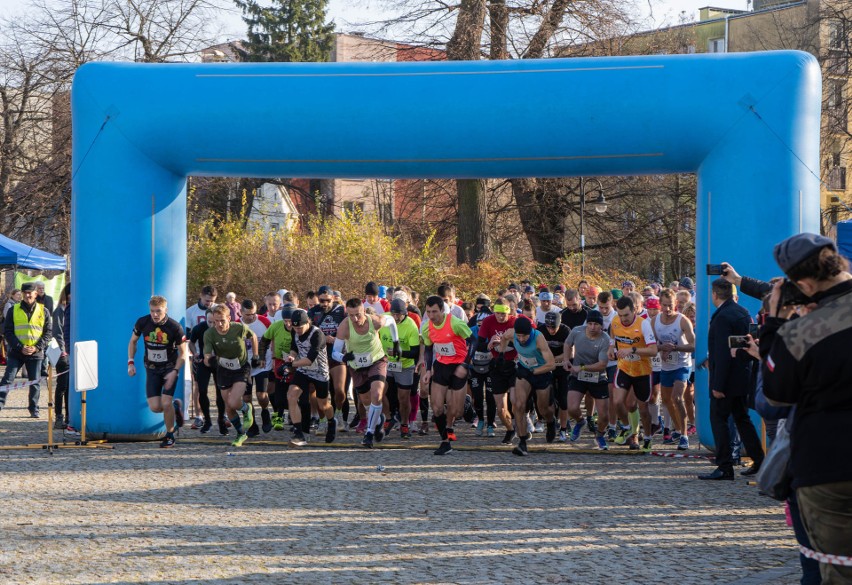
(667, 379)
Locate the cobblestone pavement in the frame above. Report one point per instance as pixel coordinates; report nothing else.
(205, 512)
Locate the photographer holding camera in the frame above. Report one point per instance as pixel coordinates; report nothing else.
(806, 363)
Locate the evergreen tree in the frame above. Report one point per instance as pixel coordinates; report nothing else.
(286, 31)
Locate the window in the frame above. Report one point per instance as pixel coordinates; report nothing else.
(835, 35)
(273, 227)
(716, 45)
(386, 213)
(837, 179)
(351, 206)
(835, 94)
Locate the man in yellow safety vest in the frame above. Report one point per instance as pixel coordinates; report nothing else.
(28, 332)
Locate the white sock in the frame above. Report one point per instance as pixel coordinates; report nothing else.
(374, 416)
(668, 418)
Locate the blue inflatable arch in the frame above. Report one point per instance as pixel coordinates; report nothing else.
(747, 123)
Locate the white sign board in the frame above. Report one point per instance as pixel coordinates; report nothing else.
(53, 352)
(85, 365)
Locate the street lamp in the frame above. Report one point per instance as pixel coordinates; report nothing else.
(600, 207)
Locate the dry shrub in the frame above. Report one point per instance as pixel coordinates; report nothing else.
(345, 253)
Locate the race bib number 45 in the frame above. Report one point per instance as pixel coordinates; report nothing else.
(363, 360)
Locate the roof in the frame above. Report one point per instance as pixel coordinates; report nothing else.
(18, 254)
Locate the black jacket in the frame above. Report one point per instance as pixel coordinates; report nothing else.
(728, 375)
(15, 345)
(806, 363)
(755, 288)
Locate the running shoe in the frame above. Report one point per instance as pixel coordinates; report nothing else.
(575, 432)
(413, 426)
(355, 422)
(444, 448)
(367, 441)
(168, 441)
(331, 431)
(551, 431)
(490, 431)
(507, 439)
(404, 432)
(424, 429)
(611, 434)
(298, 439)
(253, 430)
(563, 436)
(223, 428)
(451, 436)
(623, 436)
(602, 444)
(314, 422)
(646, 445)
(521, 449)
(667, 437)
(59, 424)
(277, 422)
(322, 427)
(676, 436)
(197, 423)
(477, 424)
(69, 430)
(683, 444)
(530, 423)
(591, 424)
(691, 430)
(539, 427)
(266, 421)
(480, 425)
(178, 414)
(633, 443)
(655, 429)
(362, 426)
(248, 417)
(342, 425)
(380, 430)
(205, 428)
(391, 424)
(238, 442)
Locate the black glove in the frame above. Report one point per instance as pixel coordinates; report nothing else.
(282, 371)
(255, 361)
(348, 356)
(397, 351)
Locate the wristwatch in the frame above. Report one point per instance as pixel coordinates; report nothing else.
(633, 349)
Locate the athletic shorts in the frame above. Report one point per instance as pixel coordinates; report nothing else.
(537, 381)
(364, 377)
(610, 373)
(445, 375)
(692, 377)
(560, 387)
(403, 379)
(155, 383)
(599, 390)
(655, 378)
(641, 385)
(304, 382)
(667, 379)
(260, 382)
(226, 378)
(501, 378)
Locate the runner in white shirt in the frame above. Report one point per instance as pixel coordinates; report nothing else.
(546, 306)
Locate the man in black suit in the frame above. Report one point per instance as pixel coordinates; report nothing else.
(729, 384)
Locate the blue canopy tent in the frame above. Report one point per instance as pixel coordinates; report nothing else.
(17, 254)
(844, 238)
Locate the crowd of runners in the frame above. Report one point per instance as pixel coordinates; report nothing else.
(550, 362)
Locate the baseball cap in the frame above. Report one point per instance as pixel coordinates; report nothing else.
(545, 296)
(799, 248)
(514, 286)
(687, 282)
(299, 317)
(553, 319)
(324, 290)
(28, 286)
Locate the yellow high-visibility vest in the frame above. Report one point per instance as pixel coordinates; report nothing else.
(28, 331)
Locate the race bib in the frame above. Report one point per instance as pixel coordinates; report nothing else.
(656, 362)
(672, 358)
(633, 357)
(394, 366)
(363, 360)
(445, 349)
(586, 376)
(529, 362)
(560, 363)
(157, 356)
(230, 364)
(482, 356)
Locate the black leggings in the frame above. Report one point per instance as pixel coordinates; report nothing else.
(202, 378)
(60, 394)
(483, 400)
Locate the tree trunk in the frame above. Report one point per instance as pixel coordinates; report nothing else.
(472, 240)
(499, 16)
(542, 218)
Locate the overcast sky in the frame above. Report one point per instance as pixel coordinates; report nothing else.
(347, 13)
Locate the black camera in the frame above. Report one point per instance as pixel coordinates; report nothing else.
(792, 295)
